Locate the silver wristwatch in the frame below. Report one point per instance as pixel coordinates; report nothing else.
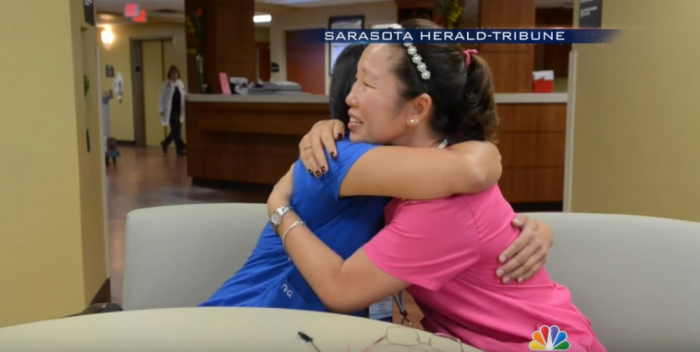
(277, 215)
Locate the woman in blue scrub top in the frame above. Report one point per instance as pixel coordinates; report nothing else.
(346, 219)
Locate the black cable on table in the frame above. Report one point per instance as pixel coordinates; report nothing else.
(308, 339)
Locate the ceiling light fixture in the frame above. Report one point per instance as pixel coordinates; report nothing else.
(262, 18)
(107, 36)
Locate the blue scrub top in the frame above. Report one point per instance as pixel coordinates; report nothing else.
(269, 277)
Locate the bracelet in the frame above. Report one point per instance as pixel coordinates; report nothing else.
(284, 235)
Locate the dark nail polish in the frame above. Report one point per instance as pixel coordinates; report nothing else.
(339, 136)
(332, 154)
(309, 170)
(318, 174)
(323, 169)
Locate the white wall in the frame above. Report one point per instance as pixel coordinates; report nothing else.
(307, 18)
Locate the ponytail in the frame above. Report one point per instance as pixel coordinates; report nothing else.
(458, 82)
(478, 111)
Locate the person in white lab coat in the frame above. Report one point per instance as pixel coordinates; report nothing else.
(171, 104)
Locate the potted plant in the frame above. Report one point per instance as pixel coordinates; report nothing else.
(451, 13)
(195, 37)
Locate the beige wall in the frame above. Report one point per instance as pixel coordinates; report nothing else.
(119, 56)
(635, 146)
(52, 218)
(374, 12)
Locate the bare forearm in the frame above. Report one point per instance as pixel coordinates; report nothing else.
(318, 264)
(343, 286)
(423, 173)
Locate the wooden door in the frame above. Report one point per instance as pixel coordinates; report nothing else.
(264, 61)
(306, 62)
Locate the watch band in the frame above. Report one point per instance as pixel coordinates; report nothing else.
(277, 215)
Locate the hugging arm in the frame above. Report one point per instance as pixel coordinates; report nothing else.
(343, 286)
(423, 173)
(520, 261)
(403, 172)
(404, 253)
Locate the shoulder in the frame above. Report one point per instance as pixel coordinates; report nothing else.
(351, 151)
(452, 221)
(346, 144)
(426, 243)
(348, 154)
(437, 218)
(482, 214)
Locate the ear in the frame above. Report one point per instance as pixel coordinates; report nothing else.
(420, 109)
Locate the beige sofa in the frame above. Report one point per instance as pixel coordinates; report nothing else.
(634, 277)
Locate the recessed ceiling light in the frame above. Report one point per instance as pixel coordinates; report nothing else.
(262, 18)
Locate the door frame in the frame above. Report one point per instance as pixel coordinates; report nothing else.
(570, 114)
(137, 93)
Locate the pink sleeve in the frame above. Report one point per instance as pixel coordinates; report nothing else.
(426, 243)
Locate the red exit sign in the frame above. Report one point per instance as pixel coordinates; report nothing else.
(131, 10)
(141, 18)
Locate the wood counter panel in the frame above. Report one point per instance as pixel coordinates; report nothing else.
(532, 144)
(247, 142)
(257, 143)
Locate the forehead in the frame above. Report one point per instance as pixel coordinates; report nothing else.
(376, 57)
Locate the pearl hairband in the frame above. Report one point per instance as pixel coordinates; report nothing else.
(415, 57)
(418, 60)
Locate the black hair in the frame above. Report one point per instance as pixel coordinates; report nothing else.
(463, 99)
(342, 79)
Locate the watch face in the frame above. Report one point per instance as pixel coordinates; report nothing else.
(275, 218)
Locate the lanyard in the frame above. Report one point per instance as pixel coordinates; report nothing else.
(398, 300)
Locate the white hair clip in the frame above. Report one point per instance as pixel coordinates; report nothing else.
(415, 57)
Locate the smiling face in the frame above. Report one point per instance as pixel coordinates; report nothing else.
(391, 103)
(378, 114)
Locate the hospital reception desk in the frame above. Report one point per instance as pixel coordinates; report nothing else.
(254, 139)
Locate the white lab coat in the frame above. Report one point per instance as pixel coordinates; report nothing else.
(165, 101)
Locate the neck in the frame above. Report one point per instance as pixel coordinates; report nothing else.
(419, 137)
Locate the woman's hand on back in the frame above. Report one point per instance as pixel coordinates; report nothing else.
(528, 253)
(321, 138)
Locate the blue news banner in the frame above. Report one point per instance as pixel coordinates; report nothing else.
(463, 36)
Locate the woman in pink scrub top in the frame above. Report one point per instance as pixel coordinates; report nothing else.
(441, 251)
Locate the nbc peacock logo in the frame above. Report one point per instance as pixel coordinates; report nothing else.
(549, 338)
